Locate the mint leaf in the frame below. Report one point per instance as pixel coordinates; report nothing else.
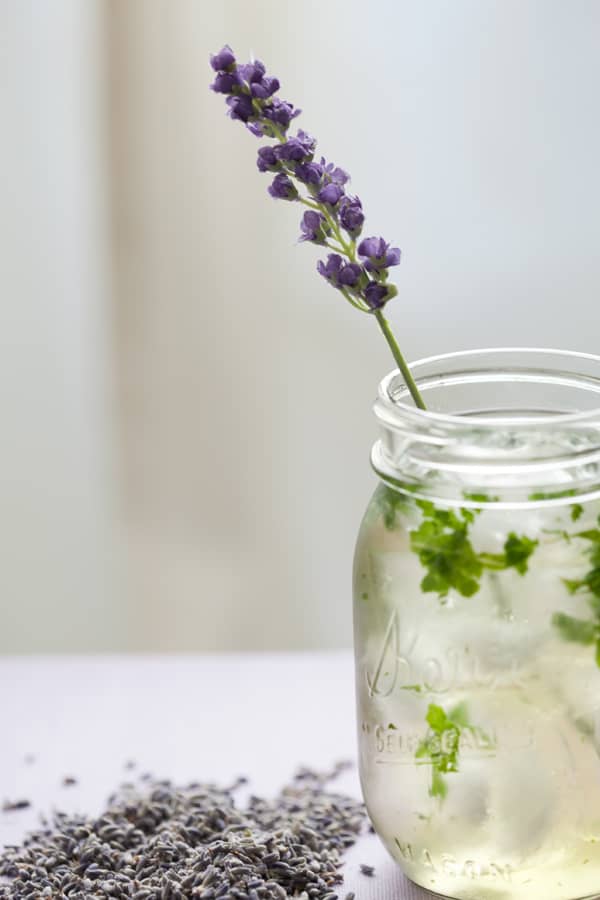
(392, 504)
(444, 548)
(440, 748)
(592, 534)
(441, 745)
(584, 631)
(442, 544)
(517, 551)
(591, 580)
(479, 498)
(436, 718)
(553, 495)
(580, 631)
(576, 511)
(438, 788)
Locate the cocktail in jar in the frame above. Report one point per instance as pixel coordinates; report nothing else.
(477, 627)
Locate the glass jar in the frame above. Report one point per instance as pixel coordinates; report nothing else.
(477, 626)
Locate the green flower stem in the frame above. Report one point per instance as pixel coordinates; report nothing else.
(278, 133)
(353, 302)
(308, 202)
(335, 247)
(396, 353)
(349, 249)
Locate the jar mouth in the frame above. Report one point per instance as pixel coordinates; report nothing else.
(512, 423)
(496, 365)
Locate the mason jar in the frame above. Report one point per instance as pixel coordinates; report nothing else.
(477, 626)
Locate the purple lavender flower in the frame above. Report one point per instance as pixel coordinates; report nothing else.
(378, 254)
(376, 295)
(223, 59)
(267, 160)
(330, 269)
(337, 175)
(310, 173)
(240, 107)
(264, 88)
(352, 216)
(283, 188)
(252, 71)
(338, 272)
(225, 82)
(330, 193)
(251, 98)
(297, 148)
(350, 274)
(280, 112)
(314, 227)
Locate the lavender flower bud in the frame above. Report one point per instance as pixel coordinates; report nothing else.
(264, 88)
(283, 188)
(378, 254)
(223, 59)
(267, 160)
(337, 175)
(351, 215)
(331, 193)
(339, 273)
(280, 112)
(350, 275)
(252, 71)
(314, 227)
(225, 82)
(297, 148)
(240, 107)
(330, 269)
(291, 151)
(376, 295)
(309, 173)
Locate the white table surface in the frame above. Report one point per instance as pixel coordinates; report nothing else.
(185, 718)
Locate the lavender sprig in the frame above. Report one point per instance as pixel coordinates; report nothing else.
(359, 269)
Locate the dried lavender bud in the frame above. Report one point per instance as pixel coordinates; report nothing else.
(367, 870)
(159, 842)
(14, 805)
(69, 781)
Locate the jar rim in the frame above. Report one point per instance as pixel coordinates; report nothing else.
(523, 424)
(393, 390)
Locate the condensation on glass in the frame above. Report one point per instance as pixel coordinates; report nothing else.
(477, 626)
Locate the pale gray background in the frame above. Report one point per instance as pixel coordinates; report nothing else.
(185, 406)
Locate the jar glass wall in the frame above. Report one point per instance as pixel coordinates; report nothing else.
(477, 626)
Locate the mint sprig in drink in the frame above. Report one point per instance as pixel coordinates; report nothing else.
(477, 595)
